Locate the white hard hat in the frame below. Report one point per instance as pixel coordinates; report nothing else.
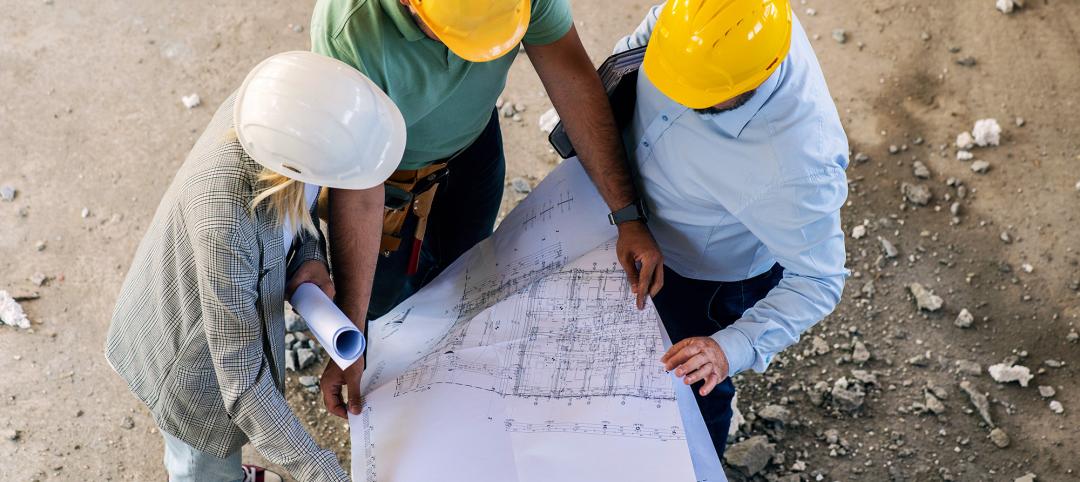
(319, 121)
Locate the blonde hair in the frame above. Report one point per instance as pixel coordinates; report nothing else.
(283, 196)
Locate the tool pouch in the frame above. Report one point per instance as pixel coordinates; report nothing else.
(409, 192)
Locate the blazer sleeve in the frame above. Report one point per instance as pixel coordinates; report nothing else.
(226, 258)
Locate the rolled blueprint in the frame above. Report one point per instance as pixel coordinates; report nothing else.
(335, 332)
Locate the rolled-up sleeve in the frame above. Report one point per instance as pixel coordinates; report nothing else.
(226, 257)
(798, 221)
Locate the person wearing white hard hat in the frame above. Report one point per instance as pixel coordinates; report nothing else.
(198, 331)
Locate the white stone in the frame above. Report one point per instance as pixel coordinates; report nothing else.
(980, 167)
(1007, 6)
(858, 232)
(548, 120)
(964, 319)
(1003, 373)
(963, 155)
(737, 419)
(964, 141)
(1027, 267)
(926, 299)
(987, 132)
(11, 313)
(1057, 407)
(1047, 391)
(191, 101)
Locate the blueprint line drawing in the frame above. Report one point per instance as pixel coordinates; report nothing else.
(525, 360)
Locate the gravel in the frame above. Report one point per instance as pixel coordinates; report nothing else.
(979, 401)
(999, 438)
(964, 319)
(7, 193)
(917, 194)
(1006, 373)
(925, 299)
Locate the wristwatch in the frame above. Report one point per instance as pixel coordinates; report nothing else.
(635, 211)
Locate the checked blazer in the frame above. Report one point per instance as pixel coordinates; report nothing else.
(198, 332)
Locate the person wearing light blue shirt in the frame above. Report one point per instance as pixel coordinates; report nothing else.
(743, 193)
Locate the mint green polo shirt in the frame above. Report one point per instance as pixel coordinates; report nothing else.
(446, 100)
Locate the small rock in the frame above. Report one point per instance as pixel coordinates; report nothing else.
(964, 319)
(925, 36)
(1007, 6)
(290, 360)
(548, 120)
(40, 245)
(917, 194)
(775, 414)
(507, 110)
(1005, 373)
(955, 208)
(921, 171)
(1028, 477)
(832, 436)
(987, 132)
(11, 434)
(1005, 237)
(305, 357)
(191, 101)
(298, 28)
(888, 248)
(894, 149)
(978, 400)
(11, 313)
(521, 185)
(839, 35)
(819, 345)
(980, 167)
(964, 155)
(517, 118)
(38, 279)
(968, 61)
(85, 213)
(127, 423)
(999, 438)
(924, 298)
(858, 231)
(751, 455)
(934, 405)
(1046, 391)
(968, 367)
(1020, 122)
(859, 353)
(964, 141)
(848, 397)
(861, 157)
(293, 322)
(1072, 337)
(1056, 407)
(7, 193)
(309, 381)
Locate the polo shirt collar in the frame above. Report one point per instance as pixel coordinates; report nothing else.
(403, 20)
(734, 121)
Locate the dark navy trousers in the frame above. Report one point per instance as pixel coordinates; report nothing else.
(689, 308)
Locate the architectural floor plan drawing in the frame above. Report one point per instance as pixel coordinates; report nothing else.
(524, 361)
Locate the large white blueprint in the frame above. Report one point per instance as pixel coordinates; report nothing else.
(526, 361)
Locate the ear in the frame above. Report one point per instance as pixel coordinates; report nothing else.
(404, 2)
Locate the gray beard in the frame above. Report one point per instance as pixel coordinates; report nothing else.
(739, 102)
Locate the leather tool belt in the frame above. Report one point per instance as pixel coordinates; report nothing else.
(408, 192)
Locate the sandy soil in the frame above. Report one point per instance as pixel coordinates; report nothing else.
(90, 117)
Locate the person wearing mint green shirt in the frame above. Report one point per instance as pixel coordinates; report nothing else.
(444, 63)
(740, 156)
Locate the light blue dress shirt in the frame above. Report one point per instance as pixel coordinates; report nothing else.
(731, 194)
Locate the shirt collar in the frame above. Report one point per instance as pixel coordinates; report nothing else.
(403, 20)
(734, 121)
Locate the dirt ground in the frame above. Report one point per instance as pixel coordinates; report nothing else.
(90, 117)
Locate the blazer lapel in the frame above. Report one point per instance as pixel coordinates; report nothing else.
(272, 293)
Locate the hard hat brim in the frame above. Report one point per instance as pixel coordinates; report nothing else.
(507, 35)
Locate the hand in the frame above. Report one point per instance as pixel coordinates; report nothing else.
(641, 259)
(332, 382)
(697, 358)
(315, 272)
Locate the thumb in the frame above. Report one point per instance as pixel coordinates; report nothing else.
(354, 395)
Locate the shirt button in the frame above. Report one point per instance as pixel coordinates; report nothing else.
(646, 143)
(664, 117)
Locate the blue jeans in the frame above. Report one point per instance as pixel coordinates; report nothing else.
(463, 213)
(185, 463)
(690, 308)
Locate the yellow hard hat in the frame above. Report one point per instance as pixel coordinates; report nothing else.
(476, 30)
(705, 52)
